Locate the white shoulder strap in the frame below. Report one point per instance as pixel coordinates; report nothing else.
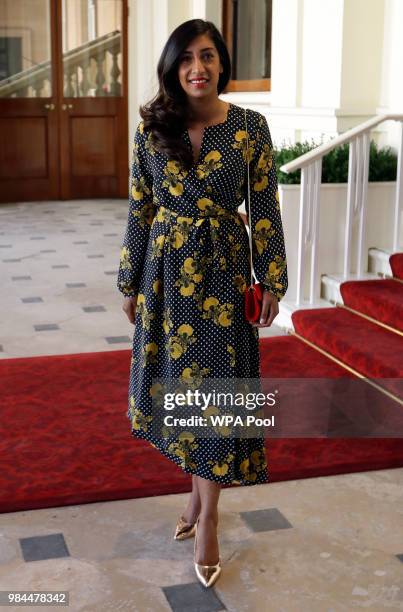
(250, 224)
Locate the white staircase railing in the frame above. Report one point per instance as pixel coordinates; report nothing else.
(84, 67)
(310, 165)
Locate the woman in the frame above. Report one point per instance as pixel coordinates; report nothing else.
(185, 265)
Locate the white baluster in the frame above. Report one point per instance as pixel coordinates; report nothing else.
(349, 212)
(399, 194)
(314, 284)
(364, 162)
(301, 237)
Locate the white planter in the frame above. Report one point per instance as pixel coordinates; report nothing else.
(332, 218)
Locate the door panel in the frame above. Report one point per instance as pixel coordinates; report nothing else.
(91, 134)
(25, 146)
(29, 166)
(91, 140)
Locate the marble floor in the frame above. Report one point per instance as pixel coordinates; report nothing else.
(58, 267)
(325, 544)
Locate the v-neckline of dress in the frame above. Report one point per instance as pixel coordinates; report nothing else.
(206, 127)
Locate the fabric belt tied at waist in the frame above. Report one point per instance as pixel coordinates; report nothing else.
(207, 225)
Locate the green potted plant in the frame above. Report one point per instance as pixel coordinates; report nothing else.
(382, 163)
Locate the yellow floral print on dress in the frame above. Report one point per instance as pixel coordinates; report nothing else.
(139, 188)
(232, 353)
(179, 232)
(178, 344)
(220, 430)
(263, 232)
(167, 322)
(242, 144)
(141, 308)
(125, 258)
(274, 273)
(139, 420)
(191, 273)
(148, 145)
(221, 314)
(144, 214)
(157, 246)
(184, 448)
(149, 353)
(193, 376)
(210, 163)
(158, 288)
(174, 177)
(220, 468)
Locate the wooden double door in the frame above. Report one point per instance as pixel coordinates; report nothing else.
(63, 99)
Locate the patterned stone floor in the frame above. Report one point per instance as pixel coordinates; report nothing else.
(325, 544)
(58, 266)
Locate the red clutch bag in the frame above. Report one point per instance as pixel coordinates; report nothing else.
(253, 302)
(254, 292)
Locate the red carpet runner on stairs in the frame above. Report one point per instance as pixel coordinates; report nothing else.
(365, 346)
(66, 439)
(380, 299)
(396, 263)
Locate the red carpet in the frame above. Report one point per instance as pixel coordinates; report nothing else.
(396, 263)
(364, 296)
(66, 437)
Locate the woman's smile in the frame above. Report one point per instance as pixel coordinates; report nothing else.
(199, 83)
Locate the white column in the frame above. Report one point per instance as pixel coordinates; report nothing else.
(199, 9)
(286, 45)
(391, 96)
(140, 59)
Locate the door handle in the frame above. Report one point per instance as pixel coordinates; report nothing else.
(66, 106)
(50, 106)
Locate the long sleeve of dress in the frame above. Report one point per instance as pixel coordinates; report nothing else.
(140, 216)
(268, 248)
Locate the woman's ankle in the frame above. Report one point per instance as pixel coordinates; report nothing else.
(209, 517)
(192, 512)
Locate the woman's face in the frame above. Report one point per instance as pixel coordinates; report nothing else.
(200, 68)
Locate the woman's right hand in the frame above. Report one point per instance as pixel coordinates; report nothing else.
(129, 307)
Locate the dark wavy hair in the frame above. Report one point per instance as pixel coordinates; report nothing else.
(167, 113)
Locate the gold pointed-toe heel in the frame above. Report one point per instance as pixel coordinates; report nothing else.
(207, 574)
(184, 530)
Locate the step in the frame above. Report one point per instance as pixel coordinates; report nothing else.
(378, 262)
(274, 331)
(288, 307)
(369, 349)
(380, 299)
(330, 285)
(396, 263)
(318, 397)
(290, 357)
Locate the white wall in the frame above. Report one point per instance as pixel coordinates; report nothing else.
(362, 49)
(213, 12)
(391, 86)
(300, 75)
(320, 71)
(286, 44)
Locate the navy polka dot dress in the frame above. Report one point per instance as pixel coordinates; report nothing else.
(185, 253)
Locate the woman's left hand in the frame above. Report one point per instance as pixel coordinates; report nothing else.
(269, 310)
